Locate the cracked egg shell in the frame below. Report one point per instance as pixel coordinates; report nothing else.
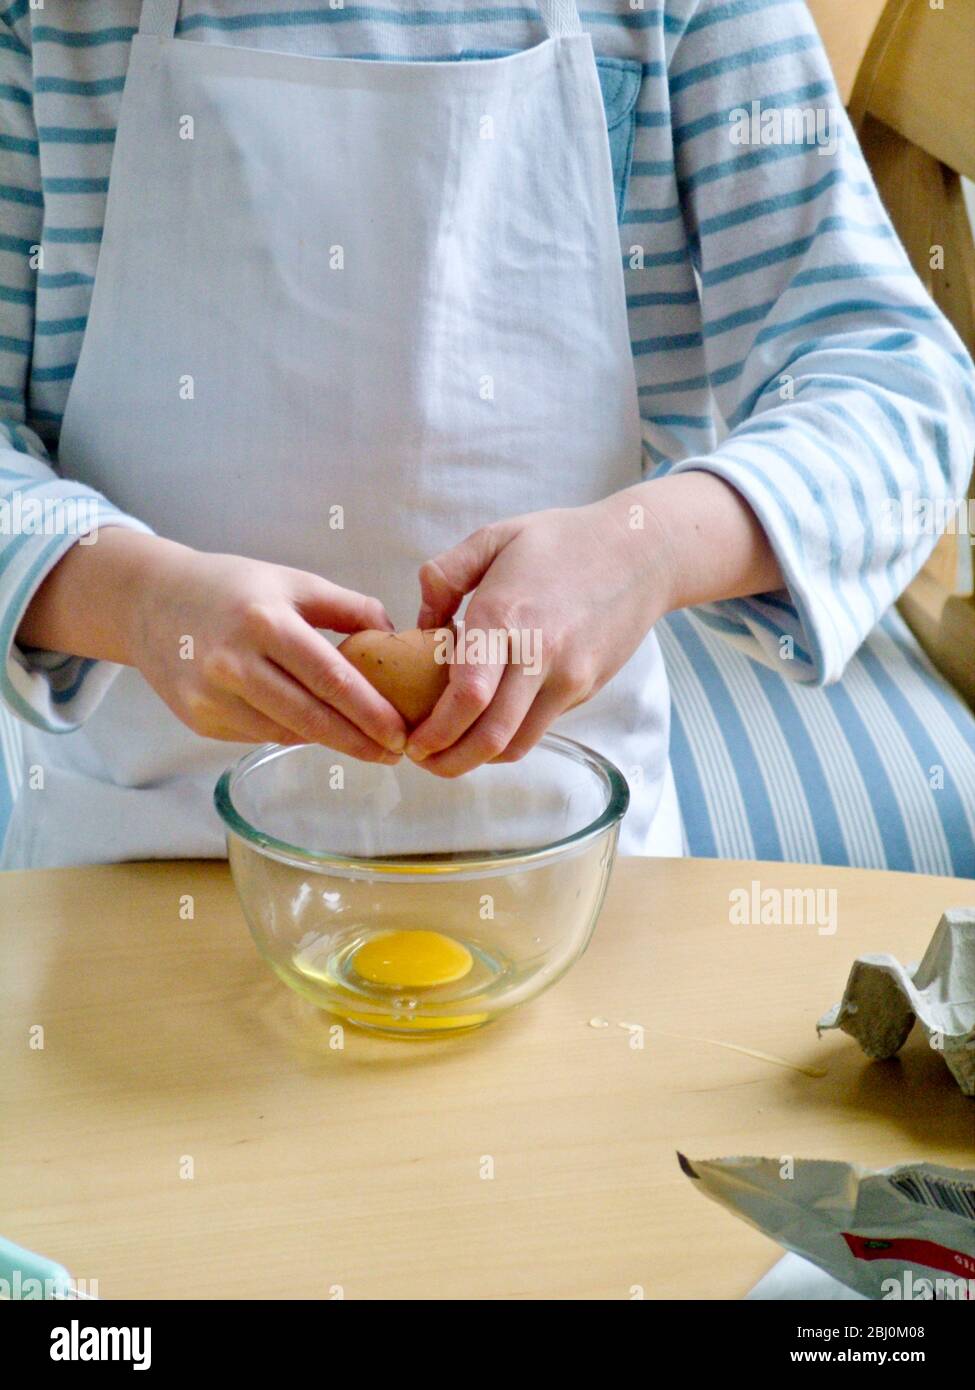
(402, 666)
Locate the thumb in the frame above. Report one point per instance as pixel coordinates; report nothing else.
(449, 576)
(328, 605)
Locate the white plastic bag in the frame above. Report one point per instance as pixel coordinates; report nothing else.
(902, 1233)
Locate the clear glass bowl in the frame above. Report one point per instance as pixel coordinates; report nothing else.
(414, 905)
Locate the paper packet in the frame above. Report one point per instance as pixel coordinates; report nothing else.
(883, 999)
(900, 1233)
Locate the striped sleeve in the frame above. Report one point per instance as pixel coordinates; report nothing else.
(846, 394)
(41, 514)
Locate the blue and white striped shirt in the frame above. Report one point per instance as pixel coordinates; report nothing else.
(780, 337)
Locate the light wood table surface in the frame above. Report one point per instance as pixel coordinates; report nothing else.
(317, 1170)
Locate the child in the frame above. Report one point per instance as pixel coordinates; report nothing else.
(468, 308)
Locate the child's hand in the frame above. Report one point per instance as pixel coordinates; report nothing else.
(591, 581)
(228, 643)
(259, 672)
(578, 583)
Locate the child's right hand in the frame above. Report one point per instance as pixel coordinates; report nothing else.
(228, 643)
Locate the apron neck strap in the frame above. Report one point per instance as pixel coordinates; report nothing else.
(159, 18)
(560, 17)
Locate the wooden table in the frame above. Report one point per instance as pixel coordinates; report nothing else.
(169, 1048)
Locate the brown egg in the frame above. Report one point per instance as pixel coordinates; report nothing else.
(402, 666)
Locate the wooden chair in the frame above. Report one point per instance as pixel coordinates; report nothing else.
(904, 68)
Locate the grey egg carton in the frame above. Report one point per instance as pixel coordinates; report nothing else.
(884, 999)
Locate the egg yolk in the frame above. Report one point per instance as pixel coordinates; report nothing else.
(412, 959)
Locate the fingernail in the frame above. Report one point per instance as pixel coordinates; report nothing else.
(396, 743)
(415, 753)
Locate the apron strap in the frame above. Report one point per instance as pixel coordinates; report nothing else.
(159, 18)
(560, 17)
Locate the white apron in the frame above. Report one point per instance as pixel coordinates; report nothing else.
(390, 288)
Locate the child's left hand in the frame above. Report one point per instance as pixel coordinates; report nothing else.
(586, 584)
(581, 586)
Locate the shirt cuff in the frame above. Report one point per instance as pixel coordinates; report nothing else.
(54, 691)
(790, 631)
